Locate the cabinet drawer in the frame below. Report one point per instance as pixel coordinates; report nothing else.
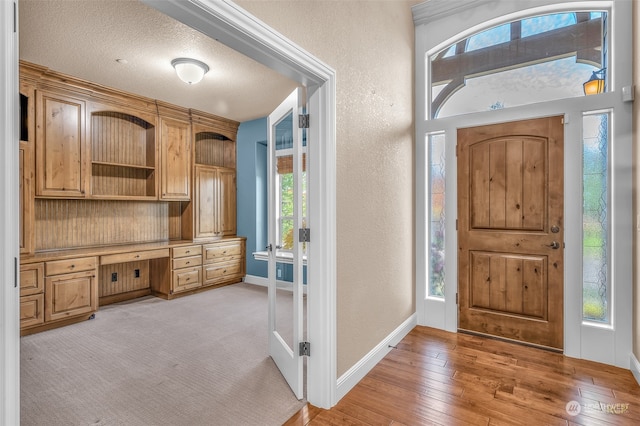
(31, 279)
(31, 310)
(187, 251)
(221, 252)
(222, 270)
(186, 279)
(185, 262)
(133, 256)
(66, 266)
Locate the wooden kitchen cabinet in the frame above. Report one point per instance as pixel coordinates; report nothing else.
(214, 202)
(60, 145)
(31, 295)
(186, 266)
(223, 262)
(175, 157)
(123, 153)
(26, 168)
(181, 273)
(70, 294)
(26, 208)
(227, 202)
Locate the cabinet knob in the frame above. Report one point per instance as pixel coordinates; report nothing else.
(73, 266)
(188, 263)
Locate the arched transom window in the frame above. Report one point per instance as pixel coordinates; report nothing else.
(536, 59)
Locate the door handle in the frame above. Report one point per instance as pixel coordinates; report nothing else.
(269, 247)
(555, 245)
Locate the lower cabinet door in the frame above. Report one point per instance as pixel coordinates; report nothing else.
(186, 279)
(31, 310)
(68, 295)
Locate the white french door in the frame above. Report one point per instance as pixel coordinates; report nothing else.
(287, 215)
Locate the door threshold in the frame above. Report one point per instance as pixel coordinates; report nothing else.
(506, 339)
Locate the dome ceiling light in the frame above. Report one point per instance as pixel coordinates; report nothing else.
(191, 71)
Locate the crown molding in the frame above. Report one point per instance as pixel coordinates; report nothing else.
(432, 10)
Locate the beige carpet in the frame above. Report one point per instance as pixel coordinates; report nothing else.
(197, 360)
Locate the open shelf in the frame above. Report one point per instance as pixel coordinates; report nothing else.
(122, 165)
(123, 154)
(214, 149)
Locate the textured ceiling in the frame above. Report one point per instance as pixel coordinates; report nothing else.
(84, 39)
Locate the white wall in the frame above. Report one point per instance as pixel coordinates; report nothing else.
(370, 45)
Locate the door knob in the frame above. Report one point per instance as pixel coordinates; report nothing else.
(555, 245)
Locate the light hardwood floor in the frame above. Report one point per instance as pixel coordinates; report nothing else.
(436, 377)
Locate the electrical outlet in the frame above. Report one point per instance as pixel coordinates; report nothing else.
(136, 273)
(114, 277)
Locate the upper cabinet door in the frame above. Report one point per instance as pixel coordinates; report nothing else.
(227, 202)
(175, 160)
(206, 203)
(60, 145)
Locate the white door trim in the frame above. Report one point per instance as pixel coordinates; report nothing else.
(236, 28)
(226, 22)
(9, 245)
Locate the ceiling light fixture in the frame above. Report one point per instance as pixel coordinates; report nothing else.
(595, 84)
(190, 70)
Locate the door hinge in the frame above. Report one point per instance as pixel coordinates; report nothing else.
(305, 349)
(303, 121)
(456, 298)
(15, 272)
(456, 224)
(304, 235)
(15, 17)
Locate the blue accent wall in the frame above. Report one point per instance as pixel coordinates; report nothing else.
(251, 179)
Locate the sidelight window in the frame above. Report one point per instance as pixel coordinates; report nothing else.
(596, 290)
(436, 176)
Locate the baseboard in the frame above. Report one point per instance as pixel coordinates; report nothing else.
(256, 280)
(356, 373)
(264, 282)
(635, 368)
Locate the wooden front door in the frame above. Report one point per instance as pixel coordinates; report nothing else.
(510, 230)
